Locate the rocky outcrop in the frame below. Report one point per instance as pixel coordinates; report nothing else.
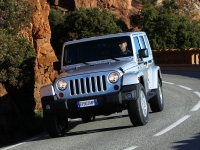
(191, 7)
(122, 9)
(45, 55)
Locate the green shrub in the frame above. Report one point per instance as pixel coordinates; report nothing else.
(17, 56)
(85, 22)
(82, 23)
(15, 51)
(56, 20)
(14, 15)
(14, 55)
(166, 26)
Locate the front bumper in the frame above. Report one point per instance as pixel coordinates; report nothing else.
(106, 103)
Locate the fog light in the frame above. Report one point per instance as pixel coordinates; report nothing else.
(129, 96)
(48, 107)
(116, 87)
(61, 95)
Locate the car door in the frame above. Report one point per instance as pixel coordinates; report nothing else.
(147, 45)
(142, 62)
(148, 60)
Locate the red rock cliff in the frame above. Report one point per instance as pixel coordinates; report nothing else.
(45, 56)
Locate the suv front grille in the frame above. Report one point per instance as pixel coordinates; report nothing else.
(88, 85)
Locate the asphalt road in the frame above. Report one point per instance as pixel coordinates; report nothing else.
(177, 127)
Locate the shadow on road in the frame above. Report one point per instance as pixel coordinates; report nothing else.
(191, 144)
(73, 124)
(98, 130)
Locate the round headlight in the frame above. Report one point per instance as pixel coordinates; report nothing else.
(113, 77)
(62, 85)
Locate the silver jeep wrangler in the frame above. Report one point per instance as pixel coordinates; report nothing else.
(100, 76)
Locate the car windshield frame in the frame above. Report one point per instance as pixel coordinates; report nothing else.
(94, 50)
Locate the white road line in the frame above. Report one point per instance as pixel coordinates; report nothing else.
(167, 82)
(21, 143)
(172, 126)
(131, 148)
(13, 146)
(196, 107)
(187, 88)
(197, 93)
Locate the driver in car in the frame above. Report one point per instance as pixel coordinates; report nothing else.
(123, 47)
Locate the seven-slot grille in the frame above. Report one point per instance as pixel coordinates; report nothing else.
(88, 85)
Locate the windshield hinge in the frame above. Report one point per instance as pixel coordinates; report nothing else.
(120, 68)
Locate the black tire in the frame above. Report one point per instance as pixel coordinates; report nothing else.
(86, 119)
(157, 103)
(56, 126)
(138, 110)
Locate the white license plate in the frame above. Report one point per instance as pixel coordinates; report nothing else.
(87, 103)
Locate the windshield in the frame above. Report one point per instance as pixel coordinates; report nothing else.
(94, 50)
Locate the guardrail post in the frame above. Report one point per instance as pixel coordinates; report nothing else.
(192, 58)
(197, 58)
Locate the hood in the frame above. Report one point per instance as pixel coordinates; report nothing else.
(98, 66)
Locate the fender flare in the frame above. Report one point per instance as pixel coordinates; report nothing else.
(155, 73)
(131, 78)
(47, 90)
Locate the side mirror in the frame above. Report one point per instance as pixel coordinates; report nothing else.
(56, 65)
(143, 53)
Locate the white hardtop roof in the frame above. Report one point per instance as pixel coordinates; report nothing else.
(103, 37)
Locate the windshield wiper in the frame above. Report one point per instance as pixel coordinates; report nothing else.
(85, 63)
(115, 59)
